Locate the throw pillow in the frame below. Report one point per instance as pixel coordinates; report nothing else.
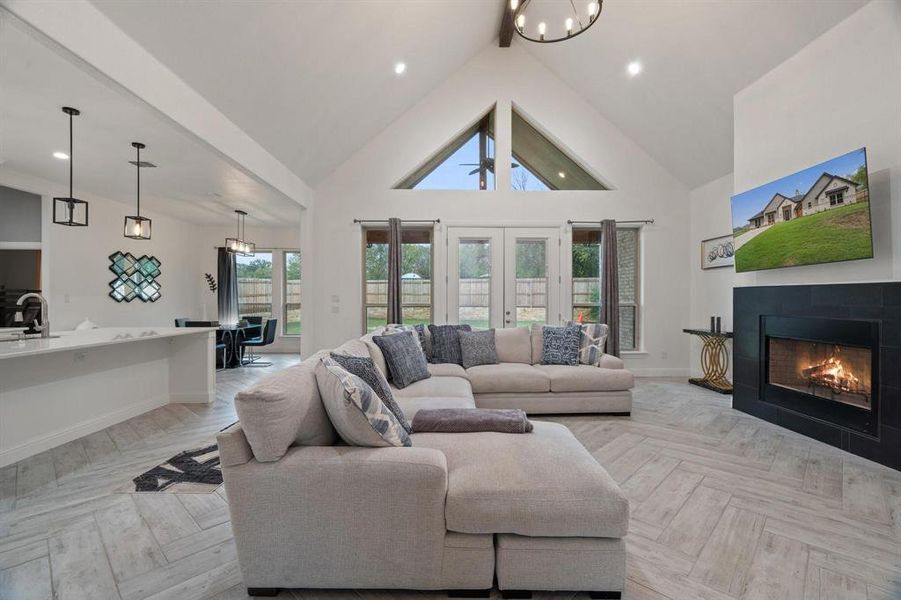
(446, 343)
(357, 413)
(561, 345)
(419, 330)
(404, 357)
(593, 340)
(364, 368)
(477, 348)
(424, 341)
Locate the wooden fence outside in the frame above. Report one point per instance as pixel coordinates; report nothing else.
(476, 292)
(255, 295)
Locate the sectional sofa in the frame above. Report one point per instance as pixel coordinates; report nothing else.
(453, 512)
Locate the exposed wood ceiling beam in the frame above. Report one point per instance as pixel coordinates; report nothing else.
(506, 35)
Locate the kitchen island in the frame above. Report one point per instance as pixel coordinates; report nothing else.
(54, 390)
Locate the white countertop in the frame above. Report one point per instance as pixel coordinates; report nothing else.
(92, 338)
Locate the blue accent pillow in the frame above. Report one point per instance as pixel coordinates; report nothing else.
(561, 345)
(446, 343)
(364, 368)
(404, 357)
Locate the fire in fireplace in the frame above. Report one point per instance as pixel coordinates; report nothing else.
(834, 372)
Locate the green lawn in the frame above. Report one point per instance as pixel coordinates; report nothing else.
(293, 328)
(839, 234)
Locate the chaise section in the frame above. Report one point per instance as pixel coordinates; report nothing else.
(509, 378)
(561, 563)
(540, 484)
(585, 378)
(413, 405)
(435, 387)
(446, 370)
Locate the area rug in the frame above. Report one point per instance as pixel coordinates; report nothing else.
(194, 471)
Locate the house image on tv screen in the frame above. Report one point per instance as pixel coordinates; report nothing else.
(827, 192)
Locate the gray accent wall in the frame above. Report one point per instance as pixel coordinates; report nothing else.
(20, 216)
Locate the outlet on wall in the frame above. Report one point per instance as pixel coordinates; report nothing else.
(663, 355)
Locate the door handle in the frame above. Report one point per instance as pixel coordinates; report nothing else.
(508, 321)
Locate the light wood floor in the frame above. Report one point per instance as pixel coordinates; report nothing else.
(723, 506)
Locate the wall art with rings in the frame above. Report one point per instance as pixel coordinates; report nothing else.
(718, 252)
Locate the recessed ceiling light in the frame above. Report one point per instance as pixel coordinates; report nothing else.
(400, 68)
(562, 175)
(61, 155)
(634, 68)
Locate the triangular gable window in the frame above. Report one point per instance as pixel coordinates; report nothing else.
(539, 164)
(465, 163)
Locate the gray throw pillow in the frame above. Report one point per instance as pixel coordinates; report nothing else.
(359, 416)
(364, 368)
(561, 345)
(446, 343)
(477, 348)
(404, 357)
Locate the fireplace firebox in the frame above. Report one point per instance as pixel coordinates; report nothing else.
(823, 368)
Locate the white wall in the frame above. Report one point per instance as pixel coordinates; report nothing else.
(75, 263)
(802, 113)
(361, 187)
(711, 290)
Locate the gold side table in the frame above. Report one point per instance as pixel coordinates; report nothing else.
(714, 360)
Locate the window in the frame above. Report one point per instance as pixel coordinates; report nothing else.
(291, 303)
(836, 198)
(416, 278)
(255, 285)
(586, 269)
(539, 164)
(466, 163)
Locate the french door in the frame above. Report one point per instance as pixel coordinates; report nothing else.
(503, 276)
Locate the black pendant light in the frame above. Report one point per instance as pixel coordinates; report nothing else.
(136, 226)
(70, 210)
(238, 244)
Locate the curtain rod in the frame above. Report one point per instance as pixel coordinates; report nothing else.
(645, 221)
(362, 221)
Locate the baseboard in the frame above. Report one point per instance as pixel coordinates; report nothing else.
(58, 438)
(199, 398)
(660, 372)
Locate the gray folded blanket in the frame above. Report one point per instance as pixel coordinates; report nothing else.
(468, 420)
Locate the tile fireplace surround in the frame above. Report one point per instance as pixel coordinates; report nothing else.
(843, 386)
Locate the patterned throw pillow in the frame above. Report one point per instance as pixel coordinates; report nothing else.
(392, 328)
(404, 357)
(446, 343)
(364, 368)
(561, 345)
(594, 339)
(477, 348)
(359, 416)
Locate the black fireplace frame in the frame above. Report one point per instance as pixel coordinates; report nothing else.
(872, 302)
(860, 333)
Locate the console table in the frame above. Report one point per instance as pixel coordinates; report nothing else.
(714, 360)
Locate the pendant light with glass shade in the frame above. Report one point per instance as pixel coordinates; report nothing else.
(70, 210)
(238, 244)
(136, 226)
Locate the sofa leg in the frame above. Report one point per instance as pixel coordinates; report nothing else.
(468, 593)
(262, 592)
(605, 595)
(516, 594)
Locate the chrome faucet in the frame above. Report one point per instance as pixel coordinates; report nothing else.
(44, 327)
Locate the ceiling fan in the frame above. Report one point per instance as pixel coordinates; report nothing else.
(489, 166)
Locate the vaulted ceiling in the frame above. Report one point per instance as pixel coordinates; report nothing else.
(313, 81)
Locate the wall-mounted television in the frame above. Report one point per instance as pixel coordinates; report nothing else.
(818, 215)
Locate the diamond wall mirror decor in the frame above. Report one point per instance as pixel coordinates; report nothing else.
(135, 277)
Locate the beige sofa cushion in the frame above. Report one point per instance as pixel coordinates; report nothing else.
(446, 370)
(508, 377)
(537, 339)
(375, 353)
(435, 387)
(285, 409)
(411, 406)
(513, 345)
(608, 361)
(542, 483)
(353, 348)
(585, 378)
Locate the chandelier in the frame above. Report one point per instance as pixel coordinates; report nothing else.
(238, 244)
(549, 21)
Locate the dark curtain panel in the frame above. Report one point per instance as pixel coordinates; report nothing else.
(394, 263)
(228, 287)
(610, 285)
